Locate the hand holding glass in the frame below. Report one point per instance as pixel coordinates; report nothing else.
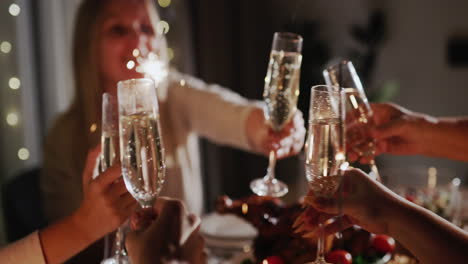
(358, 112)
(280, 96)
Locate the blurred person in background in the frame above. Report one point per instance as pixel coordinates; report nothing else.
(107, 33)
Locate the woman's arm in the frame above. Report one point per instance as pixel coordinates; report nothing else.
(227, 118)
(403, 132)
(368, 203)
(105, 206)
(429, 237)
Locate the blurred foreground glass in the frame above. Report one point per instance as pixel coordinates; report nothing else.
(280, 95)
(435, 189)
(359, 120)
(109, 157)
(141, 144)
(325, 147)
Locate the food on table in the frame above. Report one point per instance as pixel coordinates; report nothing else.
(277, 243)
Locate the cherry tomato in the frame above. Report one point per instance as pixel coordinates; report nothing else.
(339, 257)
(273, 260)
(383, 243)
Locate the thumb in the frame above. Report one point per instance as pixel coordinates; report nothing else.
(91, 158)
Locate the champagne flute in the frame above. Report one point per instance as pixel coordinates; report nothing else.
(325, 147)
(280, 95)
(141, 144)
(358, 111)
(109, 157)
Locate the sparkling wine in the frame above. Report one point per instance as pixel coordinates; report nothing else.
(109, 149)
(324, 155)
(359, 123)
(282, 87)
(142, 156)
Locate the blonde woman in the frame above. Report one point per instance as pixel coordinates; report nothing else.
(107, 32)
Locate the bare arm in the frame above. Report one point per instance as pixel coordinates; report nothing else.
(105, 206)
(429, 237)
(377, 209)
(448, 139)
(227, 118)
(400, 131)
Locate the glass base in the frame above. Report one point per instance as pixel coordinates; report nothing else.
(269, 187)
(116, 260)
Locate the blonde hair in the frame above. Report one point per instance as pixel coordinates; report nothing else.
(86, 106)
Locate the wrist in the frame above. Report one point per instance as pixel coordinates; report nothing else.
(428, 132)
(80, 222)
(255, 131)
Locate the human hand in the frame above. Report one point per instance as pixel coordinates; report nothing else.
(106, 202)
(398, 131)
(362, 203)
(173, 235)
(263, 138)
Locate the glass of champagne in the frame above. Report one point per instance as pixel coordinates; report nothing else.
(325, 147)
(280, 95)
(358, 111)
(109, 157)
(141, 143)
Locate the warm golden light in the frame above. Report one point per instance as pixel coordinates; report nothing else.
(93, 128)
(5, 47)
(247, 248)
(14, 10)
(23, 154)
(245, 208)
(153, 66)
(170, 53)
(12, 119)
(130, 64)
(182, 82)
(14, 83)
(164, 3)
(432, 178)
(162, 27)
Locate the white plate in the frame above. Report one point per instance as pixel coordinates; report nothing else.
(227, 231)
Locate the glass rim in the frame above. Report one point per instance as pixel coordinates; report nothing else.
(335, 88)
(334, 64)
(135, 81)
(293, 37)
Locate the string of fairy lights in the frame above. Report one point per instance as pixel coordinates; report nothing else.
(12, 118)
(163, 27)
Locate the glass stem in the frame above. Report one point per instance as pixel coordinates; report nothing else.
(120, 242)
(321, 244)
(375, 170)
(271, 165)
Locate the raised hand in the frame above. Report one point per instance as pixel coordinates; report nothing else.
(106, 202)
(263, 138)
